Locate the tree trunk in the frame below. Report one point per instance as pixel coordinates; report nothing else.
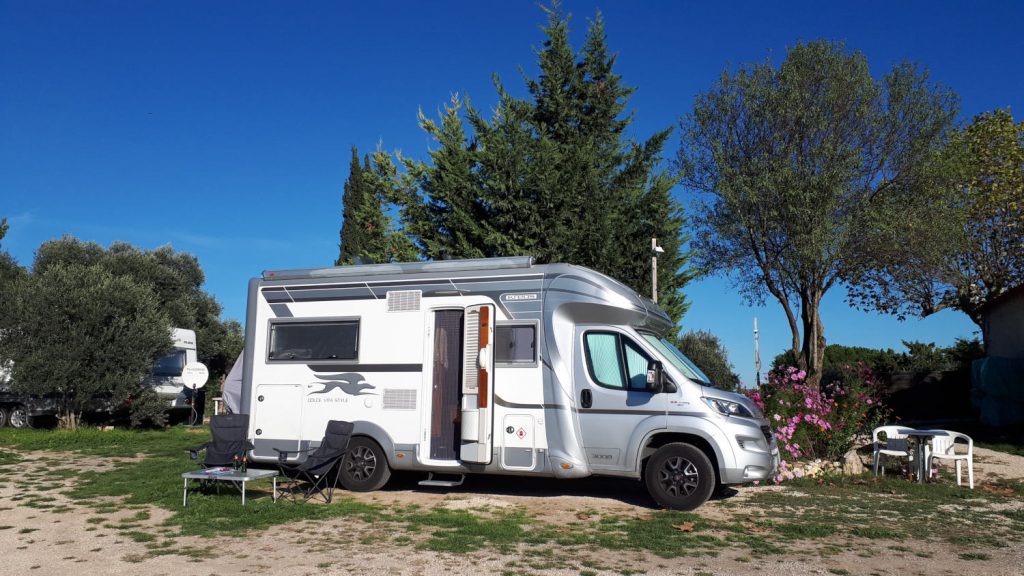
(69, 418)
(794, 329)
(812, 353)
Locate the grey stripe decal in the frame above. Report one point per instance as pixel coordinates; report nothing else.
(592, 297)
(619, 411)
(366, 367)
(502, 402)
(579, 278)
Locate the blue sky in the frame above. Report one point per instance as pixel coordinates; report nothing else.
(224, 128)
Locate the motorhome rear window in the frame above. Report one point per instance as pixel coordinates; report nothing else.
(170, 365)
(298, 341)
(515, 344)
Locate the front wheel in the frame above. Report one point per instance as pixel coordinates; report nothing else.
(3, 416)
(680, 476)
(19, 418)
(365, 467)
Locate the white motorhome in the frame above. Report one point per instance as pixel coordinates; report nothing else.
(494, 366)
(165, 377)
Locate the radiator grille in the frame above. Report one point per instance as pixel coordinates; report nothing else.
(399, 399)
(404, 300)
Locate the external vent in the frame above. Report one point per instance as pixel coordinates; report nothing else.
(399, 399)
(404, 300)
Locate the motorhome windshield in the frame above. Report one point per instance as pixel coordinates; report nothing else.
(677, 358)
(170, 365)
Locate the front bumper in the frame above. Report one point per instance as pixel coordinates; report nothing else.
(756, 453)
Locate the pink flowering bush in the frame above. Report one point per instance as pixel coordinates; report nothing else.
(819, 422)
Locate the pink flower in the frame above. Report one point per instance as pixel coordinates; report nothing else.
(777, 417)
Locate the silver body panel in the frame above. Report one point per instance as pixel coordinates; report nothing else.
(539, 426)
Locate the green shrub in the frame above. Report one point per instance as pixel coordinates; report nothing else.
(706, 351)
(147, 409)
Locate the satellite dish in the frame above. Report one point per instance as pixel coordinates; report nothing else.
(195, 375)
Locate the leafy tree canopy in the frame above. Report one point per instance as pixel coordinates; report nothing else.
(959, 248)
(176, 280)
(792, 164)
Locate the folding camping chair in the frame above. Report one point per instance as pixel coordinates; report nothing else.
(321, 469)
(229, 443)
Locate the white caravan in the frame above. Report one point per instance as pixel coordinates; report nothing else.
(165, 377)
(494, 366)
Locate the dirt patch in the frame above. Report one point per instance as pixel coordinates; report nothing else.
(48, 533)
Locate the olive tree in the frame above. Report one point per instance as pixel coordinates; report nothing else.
(788, 163)
(80, 333)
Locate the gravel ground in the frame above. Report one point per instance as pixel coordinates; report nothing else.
(44, 542)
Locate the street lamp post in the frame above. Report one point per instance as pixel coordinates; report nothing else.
(757, 355)
(655, 250)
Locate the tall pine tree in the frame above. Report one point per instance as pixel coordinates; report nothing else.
(552, 175)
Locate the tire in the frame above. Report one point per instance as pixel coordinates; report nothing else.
(680, 476)
(18, 417)
(3, 416)
(365, 468)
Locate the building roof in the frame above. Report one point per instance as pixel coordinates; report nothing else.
(1003, 298)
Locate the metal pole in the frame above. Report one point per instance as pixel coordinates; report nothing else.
(654, 270)
(757, 354)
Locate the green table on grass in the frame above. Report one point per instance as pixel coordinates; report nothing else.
(237, 478)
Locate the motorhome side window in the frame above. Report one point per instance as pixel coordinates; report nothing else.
(515, 344)
(614, 361)
(335, 340)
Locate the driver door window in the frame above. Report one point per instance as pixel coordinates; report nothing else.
(615, 361)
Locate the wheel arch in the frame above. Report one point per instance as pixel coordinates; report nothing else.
(378, 435)
(703, 444)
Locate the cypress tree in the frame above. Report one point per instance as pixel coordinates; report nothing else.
(368, 232)
(353, 233)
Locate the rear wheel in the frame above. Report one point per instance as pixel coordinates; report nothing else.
(365, 468)
(19, 418)
(680, 476)
(3, 416)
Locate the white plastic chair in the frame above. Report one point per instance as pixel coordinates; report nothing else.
(894, 444)
(945, 447)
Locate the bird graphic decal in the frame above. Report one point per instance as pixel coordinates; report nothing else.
(350, 383)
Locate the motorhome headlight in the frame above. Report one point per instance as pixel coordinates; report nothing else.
(728, 407)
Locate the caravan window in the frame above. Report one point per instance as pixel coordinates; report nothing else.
(515, 344)
(300, 341)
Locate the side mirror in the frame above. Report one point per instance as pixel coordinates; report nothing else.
(655, 377)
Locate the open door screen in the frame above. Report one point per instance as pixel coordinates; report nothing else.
(477, 384)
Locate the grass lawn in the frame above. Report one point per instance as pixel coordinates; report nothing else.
(807, 517)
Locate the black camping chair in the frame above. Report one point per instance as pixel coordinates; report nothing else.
(321, 469)
(229, 443)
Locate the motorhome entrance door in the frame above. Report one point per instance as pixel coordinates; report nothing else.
(445, 385)
(477, 384)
